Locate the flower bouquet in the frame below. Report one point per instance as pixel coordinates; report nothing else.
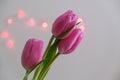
(67, 32)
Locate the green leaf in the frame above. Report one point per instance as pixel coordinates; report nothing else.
(52, 51)
(43, 72)
(50, 55)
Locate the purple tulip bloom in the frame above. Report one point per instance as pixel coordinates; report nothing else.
(64, 22)
(69, 44)
(32, 53)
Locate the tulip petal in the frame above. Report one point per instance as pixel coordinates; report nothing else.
(32, 53)
(68, 44)
(78, 40)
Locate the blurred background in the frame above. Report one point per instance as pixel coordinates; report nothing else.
(96, 58)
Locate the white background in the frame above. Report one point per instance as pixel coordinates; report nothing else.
(96, 58)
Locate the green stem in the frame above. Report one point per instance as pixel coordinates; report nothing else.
(36, 74)
(47, 66)
(48, 46)
(26, 75)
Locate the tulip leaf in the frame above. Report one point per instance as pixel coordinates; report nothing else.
(52, 51)
(48, 46)
(50, 55)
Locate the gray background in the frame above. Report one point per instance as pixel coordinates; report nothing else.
(96, 58)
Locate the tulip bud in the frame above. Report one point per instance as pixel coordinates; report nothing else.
(69, 44)
(64, 22)
(32, 53)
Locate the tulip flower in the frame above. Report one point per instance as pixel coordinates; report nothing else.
(64, 22)
(32, 53)
(69, 44)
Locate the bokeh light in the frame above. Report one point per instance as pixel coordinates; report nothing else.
(10, 21)
(31, 22)
(10, 44)
(21, 14)
(44, 24)
(4, 34)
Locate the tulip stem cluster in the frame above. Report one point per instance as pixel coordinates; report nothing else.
(47, 67)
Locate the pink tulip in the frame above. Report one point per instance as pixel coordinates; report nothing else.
(64, 22)
(69, 44)
(32, 53)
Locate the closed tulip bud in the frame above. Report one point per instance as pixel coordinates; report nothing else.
(64, 22)
(32, 53)
(69, 44)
